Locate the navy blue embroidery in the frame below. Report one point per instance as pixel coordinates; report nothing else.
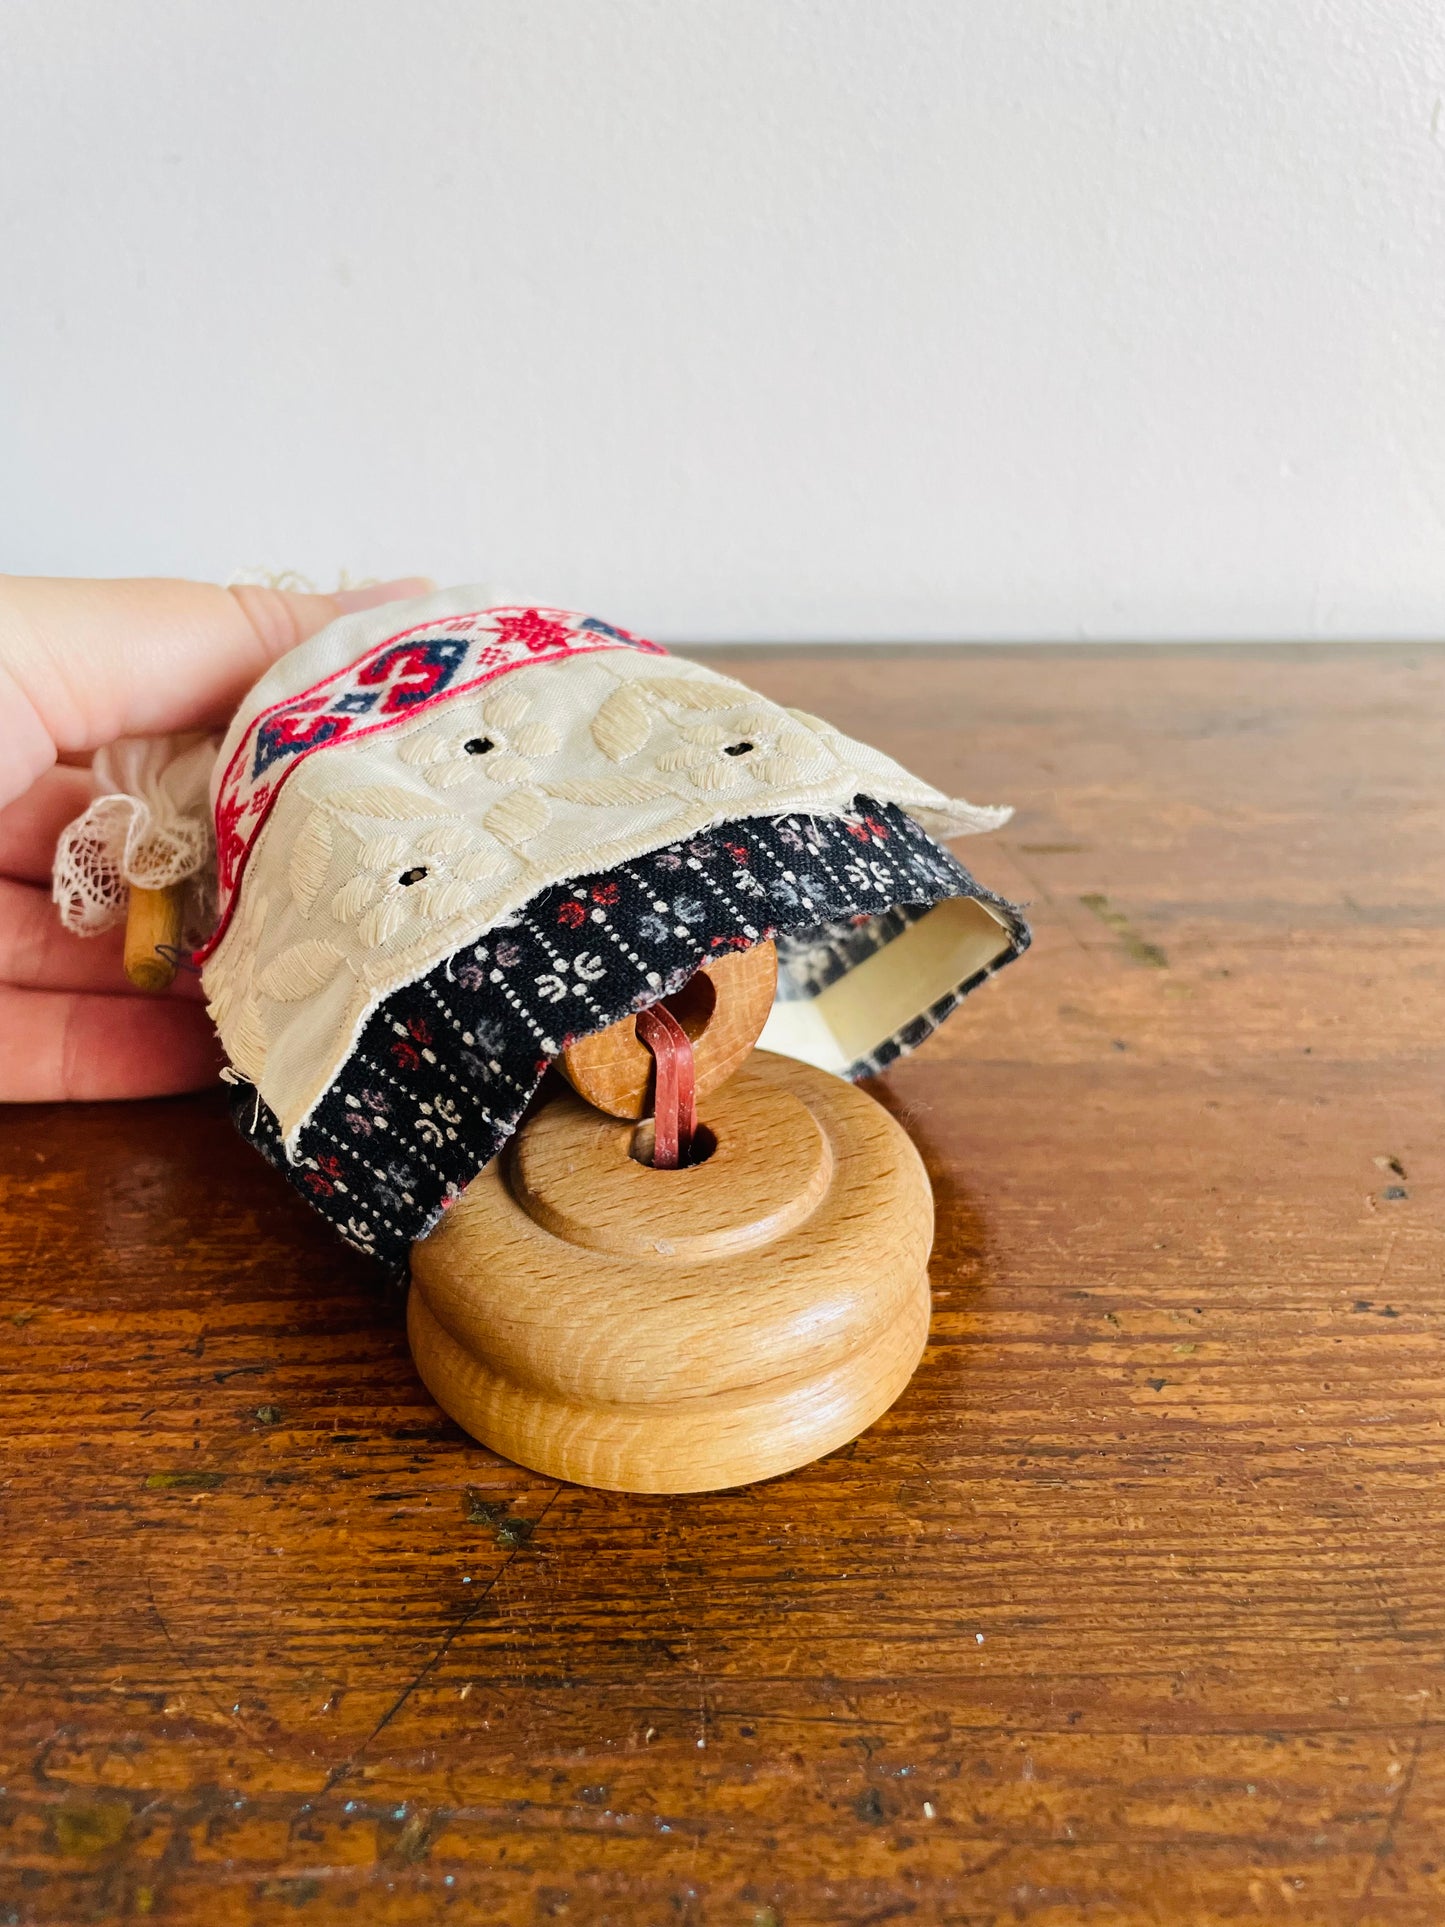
(428, 667)
(287, 734)
(416, 672)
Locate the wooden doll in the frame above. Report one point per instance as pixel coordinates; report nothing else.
(455, 846)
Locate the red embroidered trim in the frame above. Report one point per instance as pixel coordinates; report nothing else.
(396, 679)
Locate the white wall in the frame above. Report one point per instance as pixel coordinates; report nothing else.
(799, 318)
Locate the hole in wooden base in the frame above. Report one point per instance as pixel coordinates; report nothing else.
(704, 1143)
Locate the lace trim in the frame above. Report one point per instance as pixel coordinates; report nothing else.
(151, 829)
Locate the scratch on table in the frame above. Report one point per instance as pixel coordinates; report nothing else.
(187, 1673)
(340, 1771)
(1387, 1839)
(1136, 947)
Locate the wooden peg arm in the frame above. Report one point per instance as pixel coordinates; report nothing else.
(152, 918)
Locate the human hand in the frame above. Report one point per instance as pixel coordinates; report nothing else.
(82, 664)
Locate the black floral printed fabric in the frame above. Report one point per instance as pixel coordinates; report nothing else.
(444, 1070)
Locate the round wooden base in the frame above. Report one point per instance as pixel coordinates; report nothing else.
(681, 1331)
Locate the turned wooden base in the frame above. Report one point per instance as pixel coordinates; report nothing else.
(680, 1331)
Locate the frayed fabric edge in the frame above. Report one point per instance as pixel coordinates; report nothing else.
(978, 819)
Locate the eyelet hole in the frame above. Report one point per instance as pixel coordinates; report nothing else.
(478, 745)
(738, 749)
(704, 1143)
(409, 877)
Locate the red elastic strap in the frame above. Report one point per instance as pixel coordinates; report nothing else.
(674, 1105)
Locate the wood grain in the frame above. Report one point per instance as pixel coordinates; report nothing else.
(647, 1330)
(152, 919)
(722, 1007)
(1131, 1610)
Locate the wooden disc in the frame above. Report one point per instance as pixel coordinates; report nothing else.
(722, 1008)
(678, 1331)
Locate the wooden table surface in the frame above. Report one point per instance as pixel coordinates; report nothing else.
(1132, 1610)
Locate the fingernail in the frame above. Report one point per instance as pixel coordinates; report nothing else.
(349, 601)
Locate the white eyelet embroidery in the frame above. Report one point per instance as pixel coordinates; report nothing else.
(394, 851)
(234, 1007)
(750, 751)
(489, 739)
(404, 884)
(623, 724)
(519, 817)
(310, 861)
(300, 970)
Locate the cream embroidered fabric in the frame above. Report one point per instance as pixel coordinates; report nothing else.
(379, 858)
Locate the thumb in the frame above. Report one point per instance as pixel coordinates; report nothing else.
(82, 663)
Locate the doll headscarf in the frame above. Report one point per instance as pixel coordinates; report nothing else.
(450, 838)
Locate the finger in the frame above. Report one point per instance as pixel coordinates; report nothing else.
(30, 826)
(37, 953)
(88, 662)
(57, 1044)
